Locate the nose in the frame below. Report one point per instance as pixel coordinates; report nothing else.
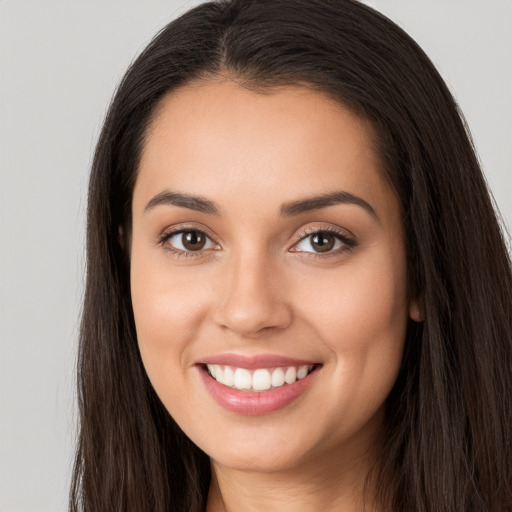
(253, 298)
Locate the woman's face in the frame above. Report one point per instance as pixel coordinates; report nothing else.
(267, 246)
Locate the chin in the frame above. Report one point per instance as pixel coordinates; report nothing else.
(262, 459)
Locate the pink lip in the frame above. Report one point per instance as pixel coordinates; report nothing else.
(255, 403)
(251, 362)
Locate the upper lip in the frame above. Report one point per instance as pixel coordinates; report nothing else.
(254, 361)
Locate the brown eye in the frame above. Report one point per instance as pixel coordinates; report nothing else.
(322, 242)
(188, 241)
(193, 240)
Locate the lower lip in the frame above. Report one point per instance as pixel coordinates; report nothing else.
(256, 402)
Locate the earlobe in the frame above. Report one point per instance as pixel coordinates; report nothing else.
(416, 310)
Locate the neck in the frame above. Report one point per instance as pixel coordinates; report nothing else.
(332, 483)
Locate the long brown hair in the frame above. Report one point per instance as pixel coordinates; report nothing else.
(449, 416)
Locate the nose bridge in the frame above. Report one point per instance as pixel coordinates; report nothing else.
(253, 297)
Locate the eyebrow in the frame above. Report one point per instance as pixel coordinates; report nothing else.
(290, 209)
(197, 203)
(323, 201)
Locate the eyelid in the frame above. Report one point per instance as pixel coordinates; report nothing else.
(184, 228)
(347, 238)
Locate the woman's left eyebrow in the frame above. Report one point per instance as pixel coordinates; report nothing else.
(323, 201)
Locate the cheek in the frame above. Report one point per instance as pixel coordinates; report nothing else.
(362, 299)
(361, 317)
(360, 313)
(167, 308)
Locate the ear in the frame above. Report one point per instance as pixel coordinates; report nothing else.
(416, 310)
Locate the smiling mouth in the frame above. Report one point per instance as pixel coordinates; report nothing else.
(258, 379)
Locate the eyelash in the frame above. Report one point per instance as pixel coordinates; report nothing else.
(180, 252)
(348, 242)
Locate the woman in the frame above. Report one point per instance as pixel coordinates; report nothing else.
(298, 296)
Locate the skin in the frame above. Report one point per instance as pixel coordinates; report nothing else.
(257, 288)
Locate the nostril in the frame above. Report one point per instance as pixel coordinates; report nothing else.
(250, 318)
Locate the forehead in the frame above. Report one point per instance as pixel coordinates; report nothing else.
(221, 140)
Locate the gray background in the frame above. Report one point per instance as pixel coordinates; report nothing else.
(59, 64)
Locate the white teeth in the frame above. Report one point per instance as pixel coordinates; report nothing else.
(229, 376)
(242, 379)
(261, 380)
(219, 374)
(291, 375)
(302, 372)
(277, 378)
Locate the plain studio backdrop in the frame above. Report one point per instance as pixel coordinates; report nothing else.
(60, 62)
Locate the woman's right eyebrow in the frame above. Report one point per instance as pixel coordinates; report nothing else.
(191, 202)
